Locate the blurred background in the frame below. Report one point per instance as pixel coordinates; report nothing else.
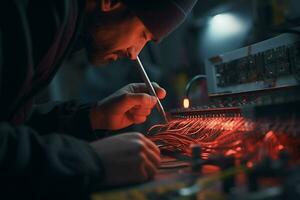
(214, 27)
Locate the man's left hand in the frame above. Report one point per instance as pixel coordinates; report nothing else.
(129, 105)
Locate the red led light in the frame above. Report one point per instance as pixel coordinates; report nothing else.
(280, 147)
(230, 152)
(249, 164)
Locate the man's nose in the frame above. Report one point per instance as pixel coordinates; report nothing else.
(134, 51)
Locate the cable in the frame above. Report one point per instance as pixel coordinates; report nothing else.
(190, 83)
(228, 136)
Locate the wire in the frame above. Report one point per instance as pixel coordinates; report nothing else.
(226, 136)
(190, 83)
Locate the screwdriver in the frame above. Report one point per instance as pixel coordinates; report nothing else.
(146, 79)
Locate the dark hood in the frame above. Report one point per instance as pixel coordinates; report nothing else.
(161, 16)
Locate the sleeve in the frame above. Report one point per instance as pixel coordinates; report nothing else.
(70, 118)
(43, 167)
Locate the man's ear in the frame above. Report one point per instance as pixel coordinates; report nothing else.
(110, 5)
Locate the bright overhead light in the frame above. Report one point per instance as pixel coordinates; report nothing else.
(225, 25)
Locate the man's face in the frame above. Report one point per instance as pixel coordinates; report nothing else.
(115, 36)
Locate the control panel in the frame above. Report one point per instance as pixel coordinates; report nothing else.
(271, 63)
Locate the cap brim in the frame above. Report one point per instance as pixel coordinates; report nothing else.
(159, 16)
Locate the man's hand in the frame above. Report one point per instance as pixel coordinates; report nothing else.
(127, 158)
(129, 105)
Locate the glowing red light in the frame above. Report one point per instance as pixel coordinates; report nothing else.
(280, 147)
(269, 135)
(249, 164)
(230, 152)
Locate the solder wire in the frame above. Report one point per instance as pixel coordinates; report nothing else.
(146, 79)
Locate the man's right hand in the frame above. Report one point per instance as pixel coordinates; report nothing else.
(127, 158)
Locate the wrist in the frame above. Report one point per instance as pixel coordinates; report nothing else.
(96, 119)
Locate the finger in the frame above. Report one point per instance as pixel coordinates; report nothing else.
(152, 156)
(145, 142)
(152, 146)
(160, 92)
(137, 119)
(149, 167)
(138, 88)
(142, 168)
(149, 148)
(140, 111)
(138, 100)
(142, 88)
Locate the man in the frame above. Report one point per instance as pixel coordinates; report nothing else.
(51, 150)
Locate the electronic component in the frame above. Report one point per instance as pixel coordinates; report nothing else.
(267, 64)
(231, 154)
